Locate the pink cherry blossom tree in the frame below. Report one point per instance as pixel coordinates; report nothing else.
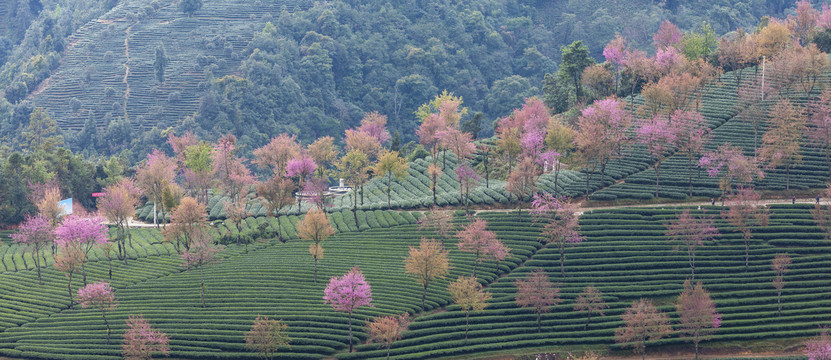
(561, 224)
(730, 164)
(152, 176)
(819, 348)
(690, 232)
(300, 168)
(202, 252)
(98, 295)
(35, 234)
(697, 312)
(602, 131)
(82, 233)
(475, 238)
(780, 267)
(820, 135)
(668, 35)
(118, 205)
(347, 293)
(615, 54)
(659, 138)
(141, 340)
(746, 215)
(536, 291)
(468, 178)
(692, 135)
(232, 175)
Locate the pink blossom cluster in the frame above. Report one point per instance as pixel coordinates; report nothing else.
(76, 230)
(99, 295)
(140, 340)
(34, 230)
(348, 292)
(301, 167)
(824, 18)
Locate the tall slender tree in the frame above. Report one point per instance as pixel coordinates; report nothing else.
(467, 292)
(537, 292)
(690, 232)
(427, 262)
(347, 293)
(315, 227)
(697, 313)
(642, 322)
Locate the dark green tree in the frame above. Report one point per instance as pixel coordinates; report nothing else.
(576, 58)
(190, 7)
(160, 64)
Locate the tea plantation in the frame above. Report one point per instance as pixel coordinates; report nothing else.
(625, 254)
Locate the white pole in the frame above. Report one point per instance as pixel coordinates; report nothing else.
(764, 60)
(154, 214)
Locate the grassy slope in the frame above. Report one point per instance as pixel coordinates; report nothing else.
(625, 254)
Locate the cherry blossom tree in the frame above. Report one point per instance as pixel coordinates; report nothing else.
(819, 348)
(363, 142)
(315, 227)
(602, 130)
(69, 261)
(690, 232)
(35, 234)
(590, 301)
(822, 216)
(386, 330)
(460, 143)
(428, 134)
(427, 262)
(118, 205)
(439, 222)
(98, 295)
(804, 22)
(434, 172)
(732, 166)
(151, 177)
(324, 152)
(391, 164)
(697, 313)
(467, 292)
(560, 223)
(347, 293)
(300, 168)
(615, 54)
(475, 238)
(276, 154)
(188, 223)
(229, 170)
(467, 178)
(374, 124)
(820, 134)
(202, 252)
(267, 336)
(780, 267)
(745, 215)
(537, 292)
(276, 193)
(692, 135)
(781, 142)
(667, 35)
(659, 138)
(81, 233)
(141, 340)
(642, 322)
(522, 182)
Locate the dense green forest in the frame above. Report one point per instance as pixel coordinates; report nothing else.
(104, 69)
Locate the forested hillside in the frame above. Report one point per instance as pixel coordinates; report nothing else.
(105, 69)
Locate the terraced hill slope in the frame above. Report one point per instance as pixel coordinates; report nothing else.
(625, 254)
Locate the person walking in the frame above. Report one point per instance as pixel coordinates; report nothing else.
(817, 199)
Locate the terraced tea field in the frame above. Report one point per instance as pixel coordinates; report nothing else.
(625, 255)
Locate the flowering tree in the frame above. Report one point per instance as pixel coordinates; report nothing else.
(81, 233)
(231, 173)
(386, 330)
(468, 178)
(202, 252)
(475, 238)
(315, 227)
(324, 153)
(187, 224)
(819, 348)
(804, 22)
(437, 221)
(780, 267)
(822, 216)
(659, 138)
(697, 313)
(522, 182)
(745, 215)
(434, 172)
(428, 134)
(69, 261)
(667, 35)
(141, 340)
(98, 295)
(276, 154)
(467, 292)
(590, 301)
(780, 143)
(347, 293)
(730, 163)
(391, 164)
(266, 336)
(235, 214)
(300, 168)
(151, 177)
(374, 124)
(642, 322)
(820, 134)
(535, 291)
(118, 205)
(427, 262)
(460, 143)
(692, 135)
(275, 193)
(602, 130)
(35, 234)
(615, 54)
(690, 232)
(561, 224)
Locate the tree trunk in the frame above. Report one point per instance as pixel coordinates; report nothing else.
(475, 262)
(779, 302)
(434, 191)
(362, 194)
(788, 176)
(104, 315)
(84, 272)
(315, 276)
(69, 288)
(588, 177)
(280, 227)
(556, 176)
(202, 278)
(539, 323)
(443, 159)
(746, 254)
(388, 351)
(37, 266)
(588, 319)
(350, 331)
(424, 295)
(519, 206)
(389, 189)
(643, 353)
(602, 173)
(110, 270)
(467, 323)
(689, 171)
(487, 173)
(691, 256)
(657, 178)
(129, 236)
